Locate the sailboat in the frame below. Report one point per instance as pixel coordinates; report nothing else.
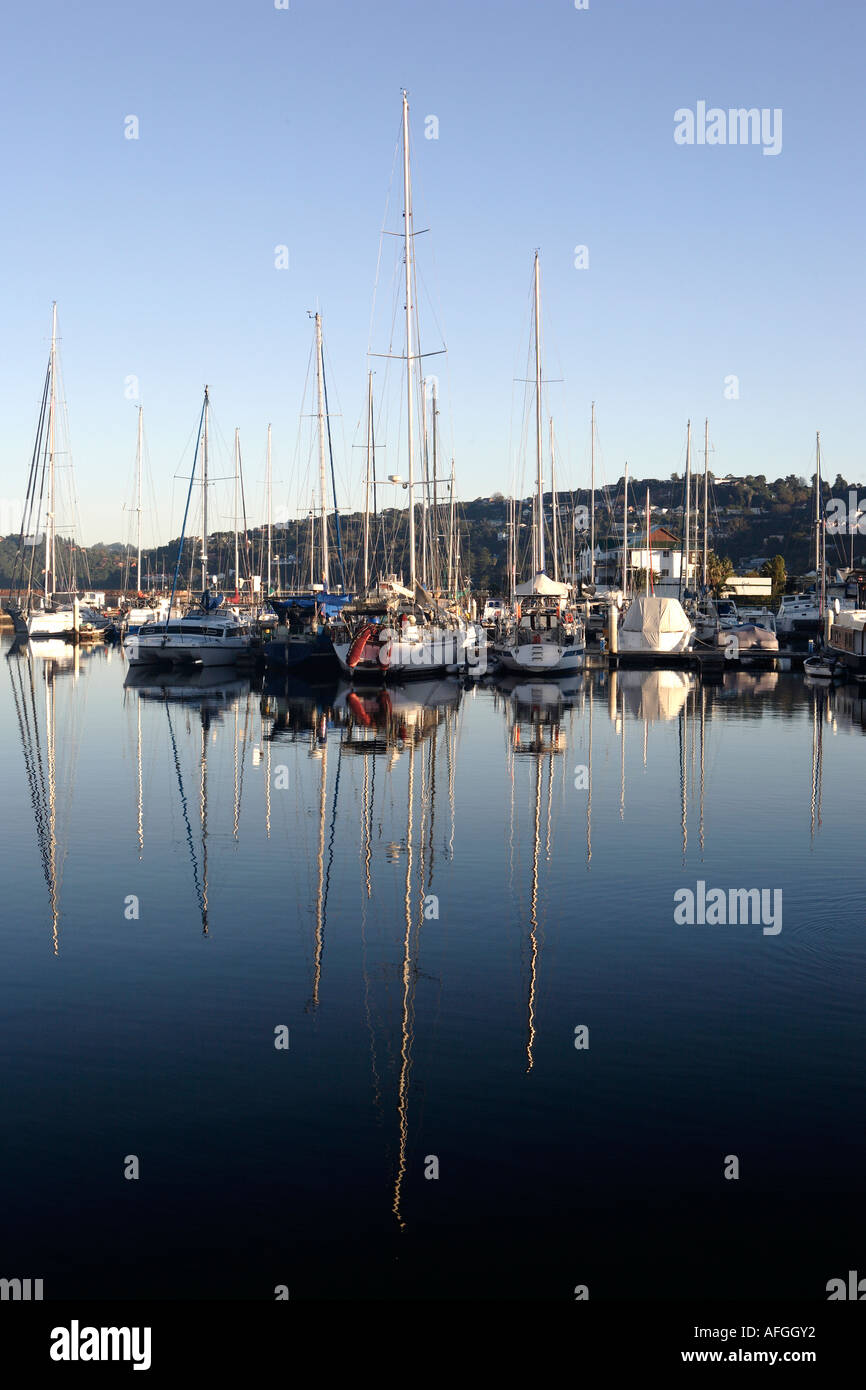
(394, 632)
(549, 635)
(302, 642)
(56, 613)
(211, 633)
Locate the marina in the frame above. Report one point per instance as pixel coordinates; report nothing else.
(432, 675)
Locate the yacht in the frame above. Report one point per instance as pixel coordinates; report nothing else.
(548, 635)
(390, 633)
(653, 628)
(798, 613)
(212, 634)
(847, 641)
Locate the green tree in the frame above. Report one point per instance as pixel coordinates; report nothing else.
(718, 570)
(775, 570)
(638, 579)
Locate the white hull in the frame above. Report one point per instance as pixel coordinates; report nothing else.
(548, 658)
(431, 653)
(60, 624)
(159, 649)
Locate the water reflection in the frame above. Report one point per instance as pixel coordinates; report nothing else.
(211, 693)
(350, 799)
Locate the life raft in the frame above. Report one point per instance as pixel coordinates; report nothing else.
(357, 647)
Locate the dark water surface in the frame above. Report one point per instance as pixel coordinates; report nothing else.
(431, 895)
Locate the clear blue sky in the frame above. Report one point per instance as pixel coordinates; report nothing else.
(261, 126)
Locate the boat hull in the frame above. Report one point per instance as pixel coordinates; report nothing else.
(305, 655)
(433, 654)
(159, 650)
(547, 658)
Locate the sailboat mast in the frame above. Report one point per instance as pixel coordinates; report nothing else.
(312, 540)
(321, 420)
(592, 499)
(237, 475)
(367, 481)
(706, 494)
(819, 530)
(817, 503)
(684, 580)
(52, 415)
(204, 494)
(270, 511)
(452, 578)
(539, 543)
(407, 239)
(425, 520)
(553, 505)
(625, 531)
(649, 546)
(436, 577)
(138, 501)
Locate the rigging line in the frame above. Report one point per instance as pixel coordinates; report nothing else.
(185, 514)
(30, 496)
(382, 237)
(334, 487)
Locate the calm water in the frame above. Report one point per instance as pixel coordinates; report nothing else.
(431, 898)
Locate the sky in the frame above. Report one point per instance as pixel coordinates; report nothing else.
(261, 127)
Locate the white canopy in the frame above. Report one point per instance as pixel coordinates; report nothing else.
(542, 584)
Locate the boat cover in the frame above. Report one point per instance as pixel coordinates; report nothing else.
(542, 584)
(652, 616)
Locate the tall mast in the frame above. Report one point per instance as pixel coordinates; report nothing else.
(649, 546)
(204, 495)
(52, 414)
(312, 540)
(684, 579)
(511, 549)
(819, 556)
(138, 498)
(625, 531)
(452, 577)
(817, 504)
(553, 505)
(706, 491)
(322, 477)
(407, 240)
(435, 577)
(237, 477)
(697, 518)
(425, 520)
(539, 544)
(270, 510)
(592, 500)
(367, 481)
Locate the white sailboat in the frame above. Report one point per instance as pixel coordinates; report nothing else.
(396, 632)
(548, 635)
(55, 612)
(211, 633)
